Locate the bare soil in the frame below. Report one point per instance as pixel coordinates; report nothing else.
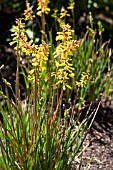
(100, 148)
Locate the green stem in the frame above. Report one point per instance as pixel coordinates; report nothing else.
(43, 25)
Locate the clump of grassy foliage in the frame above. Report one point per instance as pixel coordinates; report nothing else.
(90, 62)
(35, 135)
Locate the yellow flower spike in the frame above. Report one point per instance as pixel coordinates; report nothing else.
(55, 14)
(43, 7)
(100, 27)
(91, 31)
(19, 37)
(63, 54)
(28, 13)
(91, 19)
(83, 80)
(40, 55)
(64, 13)
(71, 4)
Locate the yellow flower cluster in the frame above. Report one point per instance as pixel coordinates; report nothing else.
(100, 28)
(40, 53)
(63, 70)
(19, 34)
(83, 81)
(21, 39)
(63, 56)
(28, 13)
(63, 13)
(43, 7)
(71, 4)
(60, 17)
